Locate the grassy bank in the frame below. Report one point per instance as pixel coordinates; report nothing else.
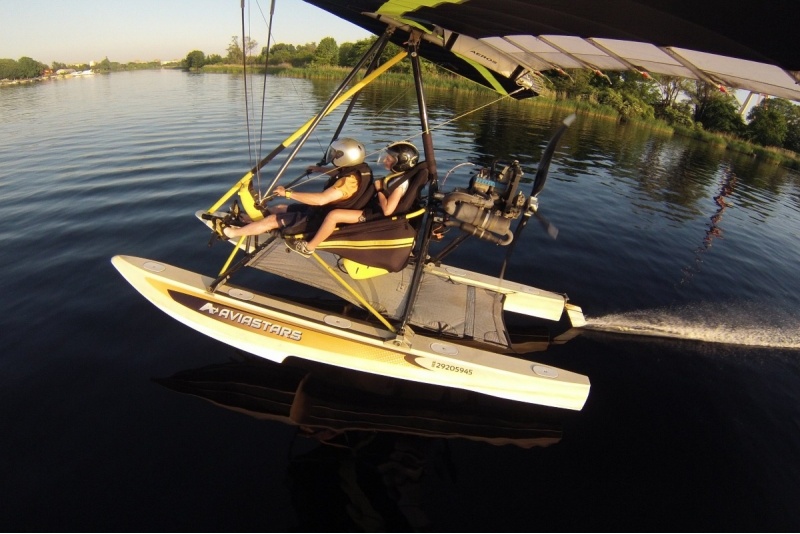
(768, 154)
(441, 80)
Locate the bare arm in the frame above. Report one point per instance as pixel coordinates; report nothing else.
(332, 194)
(389, 204)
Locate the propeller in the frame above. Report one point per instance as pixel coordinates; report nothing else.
(532, 204)
(549, 227)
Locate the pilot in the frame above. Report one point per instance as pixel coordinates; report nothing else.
(349, 187)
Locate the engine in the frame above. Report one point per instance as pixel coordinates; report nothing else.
(486, 208)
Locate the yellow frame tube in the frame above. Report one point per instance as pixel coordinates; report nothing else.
(292, 138)
(353, 292)
(233, 253)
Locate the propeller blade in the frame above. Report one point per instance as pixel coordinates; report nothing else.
(547, 156)
(517, 233)
(549, 227)
(538, 185)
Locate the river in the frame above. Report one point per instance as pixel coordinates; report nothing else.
(696, 429)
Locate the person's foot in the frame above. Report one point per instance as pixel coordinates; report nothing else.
(218, 225)
(300, 246)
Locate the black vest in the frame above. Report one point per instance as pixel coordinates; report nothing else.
(362, 196)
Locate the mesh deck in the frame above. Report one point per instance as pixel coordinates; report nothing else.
(442, 305)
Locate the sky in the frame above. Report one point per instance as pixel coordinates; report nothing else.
(79, 31)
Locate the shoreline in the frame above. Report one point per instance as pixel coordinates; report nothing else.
(771, 155)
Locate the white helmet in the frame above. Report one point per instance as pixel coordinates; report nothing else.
(345, 152)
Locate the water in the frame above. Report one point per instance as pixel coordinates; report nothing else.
(697, 428)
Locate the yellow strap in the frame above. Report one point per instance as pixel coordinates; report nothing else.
(364, 244)
(415, 213)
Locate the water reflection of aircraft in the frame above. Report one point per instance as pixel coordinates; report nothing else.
(430, 322)
(332, 405)
(383, 443)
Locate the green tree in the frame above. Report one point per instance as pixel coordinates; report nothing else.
(250, 45)
(8, 69)
(234, 51)
(327, 52)
(194, 60)
(791, 112)
(792, 140)
(714, 108)
(282, 53)
(721, 114)
(645, 92)
(355, 51)
(627, 103)
(768, 125)
(575, 84)
(672, 88)
(304, 55)
(392, 50)
(345, 53)
(670, 107)
(680, 113)
(104, 66)
(30, 68)
(350, 53)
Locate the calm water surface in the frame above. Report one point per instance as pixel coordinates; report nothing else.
(699, 431)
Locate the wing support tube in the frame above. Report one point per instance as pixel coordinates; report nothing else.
(309, 126)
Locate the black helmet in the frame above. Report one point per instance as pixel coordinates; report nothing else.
(405, 155)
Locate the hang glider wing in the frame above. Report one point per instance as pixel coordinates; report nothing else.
(505, 44)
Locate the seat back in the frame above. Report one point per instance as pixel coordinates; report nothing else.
(385, 243)
(417, 178)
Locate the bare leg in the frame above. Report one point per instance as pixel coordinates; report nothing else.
(333, 218)
(266, 224)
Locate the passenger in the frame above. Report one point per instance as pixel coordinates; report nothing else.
(345, 188)
(397, 158)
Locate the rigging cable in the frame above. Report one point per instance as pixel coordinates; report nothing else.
(264, 90)
(244, 78)
(259, 145)
(309, 178)
(445, 123)
(263, 99)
